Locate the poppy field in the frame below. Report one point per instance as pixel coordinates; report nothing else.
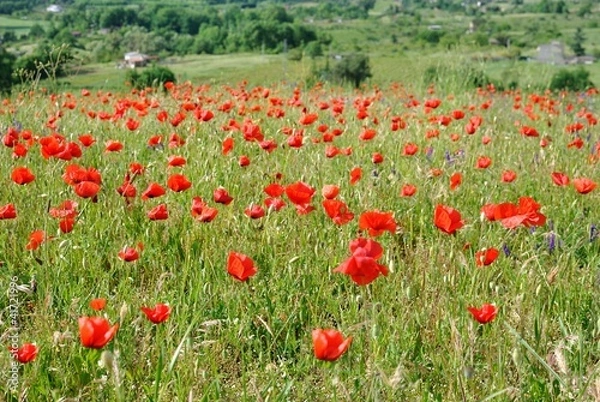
(309, 244)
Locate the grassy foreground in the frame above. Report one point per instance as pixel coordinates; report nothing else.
(413, 337)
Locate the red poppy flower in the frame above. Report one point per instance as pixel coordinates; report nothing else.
(178, 182)
(584, 185)
(176, 141)
(136, 168)
(329, 344)
(362, 267)
(22, 175)
(447, 219)
(11, 138)
(162, 116)
(458, 114)
(338, 211)
(377, 158)
(154, 190)
(202, 212)
(483, 162)
(240, 266)
(67, 209)
(576, 143)
(296, 140)
(221, 196)
(87, 189)
(244, 161)
(129, 254)
(19, 151)
(410, 149)
(204, 115)
(197, 205)
(486, 256)
(526, 214)
(508, 176)
(300, 193)
(36, 238)
(376, 222)
(308, 119)
(330, 191)
(66, 224)
(127, 189)
(560, 179)
(370, 248)
(432, 103)
(52, 146)
(529, 131)
(444, 120)
(455, 180)
(274, 190)
(268, 145)
(254, 212)
(355, 175)
(76, 174)
(87, 140)
(132, 124)
(158, 213)
(155, 142)
(367, 134)
(176, 161)
(274, 203)
(25, 353)
(408, 190)
(332, 151)
(227, 145)
(160, 313)
(489, 212)
(8, 211)
(98, 304)
(485, 314)
(96, 332)
(113, 146)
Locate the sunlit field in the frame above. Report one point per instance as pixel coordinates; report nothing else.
(273, 243)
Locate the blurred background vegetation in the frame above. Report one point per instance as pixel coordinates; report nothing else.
(510, 43)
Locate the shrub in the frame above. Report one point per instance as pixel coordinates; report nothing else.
(575, 80)
(154, 76)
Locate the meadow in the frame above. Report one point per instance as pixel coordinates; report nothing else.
(452, 236)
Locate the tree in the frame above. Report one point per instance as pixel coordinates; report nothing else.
(36, 31)
(313, 49)
(585, 9)
(577, 43)
(354, 68)
(47, 61)
(7, 61)
(366, 4)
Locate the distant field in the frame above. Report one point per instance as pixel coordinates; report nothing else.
(406, 67)
(201, 68)
(19, 26)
